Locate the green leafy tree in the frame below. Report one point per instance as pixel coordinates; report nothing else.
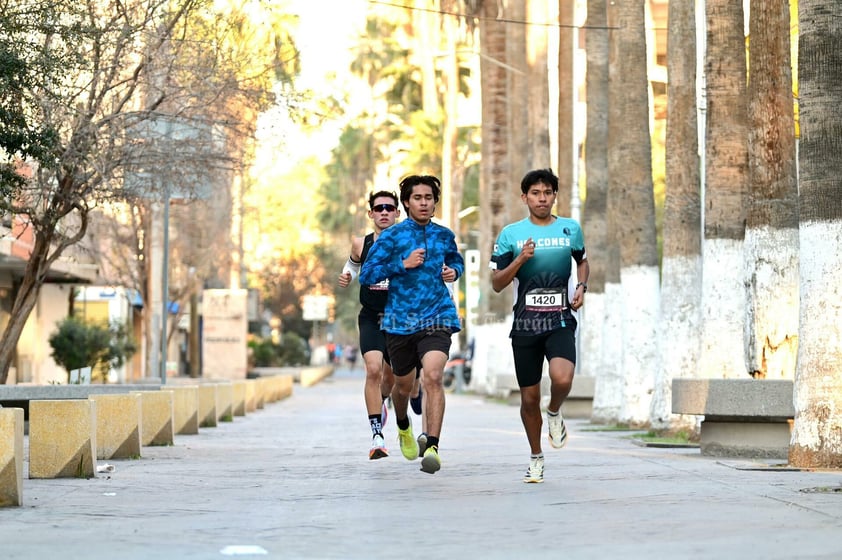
(21, 64)
(78, 344)
(83, 84)
(76, 98)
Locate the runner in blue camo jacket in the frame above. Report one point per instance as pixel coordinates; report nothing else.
(418, 257)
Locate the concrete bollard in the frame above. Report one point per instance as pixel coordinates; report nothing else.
(157, 414)
(238, 406)
(118, 423)
(259, 393)
(284, 383)
(251, 395)
(62, 438)
(207, 406)
(225, 401)
(11, 457)
(186, 409)
(309, 376)
(265, 385)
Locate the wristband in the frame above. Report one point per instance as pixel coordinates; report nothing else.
(352, 267)
(583, 284)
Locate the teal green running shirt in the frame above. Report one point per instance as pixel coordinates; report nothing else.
(541, 283)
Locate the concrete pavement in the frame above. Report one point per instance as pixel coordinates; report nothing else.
(293, 480)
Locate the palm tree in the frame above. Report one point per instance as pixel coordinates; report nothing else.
(518, 103)
(608, 393)
(566, 102)
(816, 440)
(538, 129)
(681, 286)
(772, 221)
(726, 180)
(638, 244)
(495, 188)
(589, 362)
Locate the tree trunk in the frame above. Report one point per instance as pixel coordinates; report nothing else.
(639, 275)
(495, 188)
(538, 130)
(681, 285)
(816, 434)
(518, 98)
(726, 181)
(451, 200)
(25, 300)
(566, 107)
(771, 266)
(590, 361)
(608, 394)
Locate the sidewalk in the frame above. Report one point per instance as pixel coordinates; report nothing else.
(294, 481)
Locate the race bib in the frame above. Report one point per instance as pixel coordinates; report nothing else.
(544, 300)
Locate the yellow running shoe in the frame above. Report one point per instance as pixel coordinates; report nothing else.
(409, 447)
(431, 461)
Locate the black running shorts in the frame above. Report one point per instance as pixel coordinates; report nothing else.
(407, 350)
(371, 337)
(529, 353)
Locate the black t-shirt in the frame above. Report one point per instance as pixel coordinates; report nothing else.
(372, 297)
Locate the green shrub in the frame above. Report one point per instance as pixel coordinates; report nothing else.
(77, 344)
(292, 351)
(264, 353)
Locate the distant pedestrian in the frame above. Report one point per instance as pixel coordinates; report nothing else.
(537, 251)
(351, 356)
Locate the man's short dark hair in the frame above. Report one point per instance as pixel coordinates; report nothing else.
(536, 176)
(381, 194)
(407, 184)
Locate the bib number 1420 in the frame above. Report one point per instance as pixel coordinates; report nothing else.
(544, 301)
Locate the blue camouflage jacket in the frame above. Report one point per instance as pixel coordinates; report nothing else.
(418, 297)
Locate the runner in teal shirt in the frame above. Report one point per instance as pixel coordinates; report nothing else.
(535, 254)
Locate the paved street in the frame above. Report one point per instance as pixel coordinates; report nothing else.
(294, 481)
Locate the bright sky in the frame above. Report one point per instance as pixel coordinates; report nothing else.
(327, 31)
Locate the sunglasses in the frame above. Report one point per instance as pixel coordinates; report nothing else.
(384, 208)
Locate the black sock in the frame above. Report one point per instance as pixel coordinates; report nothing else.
(376, 426)
(432, 442)
(403, 424)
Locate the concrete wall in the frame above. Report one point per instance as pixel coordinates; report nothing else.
(34, 362)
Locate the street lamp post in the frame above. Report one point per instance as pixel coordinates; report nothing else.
(165, 287)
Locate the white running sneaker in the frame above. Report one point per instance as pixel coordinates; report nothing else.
(557, 430)
(378, 448)
(535, 472)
